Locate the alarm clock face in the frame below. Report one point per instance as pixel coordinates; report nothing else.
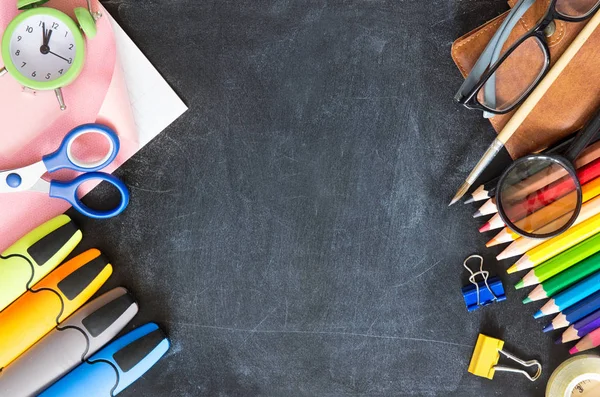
(45, 49)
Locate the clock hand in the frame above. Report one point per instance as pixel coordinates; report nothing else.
(44, 33)
(45, 48)
(66, 60)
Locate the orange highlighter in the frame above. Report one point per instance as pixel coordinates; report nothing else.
(49, 302)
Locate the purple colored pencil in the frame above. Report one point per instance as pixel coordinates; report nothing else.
(581, 328)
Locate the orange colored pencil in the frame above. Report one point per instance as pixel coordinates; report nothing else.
(590, 208)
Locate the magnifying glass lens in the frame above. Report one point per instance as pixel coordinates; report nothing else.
(538, 196)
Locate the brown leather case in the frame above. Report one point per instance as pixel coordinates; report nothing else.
(568, 104)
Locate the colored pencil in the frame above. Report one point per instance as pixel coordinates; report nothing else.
(504, 236)
(590, 341)
(565, 279)
(554, 191)
(575, 312)
(524, 244)
(561, 262)
(581, 328)
(484, 191)
(592, 152)
(550, 217)
(495, 222)
(570, 296)
(541, 180)
(552, 212)
(555, 245)
(486, 209)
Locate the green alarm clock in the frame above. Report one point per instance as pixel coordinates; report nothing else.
(44, 49)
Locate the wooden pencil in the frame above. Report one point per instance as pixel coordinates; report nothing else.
(495, 222)
(557, 189)
(524, 244)
(504, 236)
(539, 181)
(590, 341)
(557, 244)
(561, 262)
(488, 208)
(581, 328)
(575, 312)
(539, 220)
(483, 192)
(570, 296)
(564, 280)
(592, 152)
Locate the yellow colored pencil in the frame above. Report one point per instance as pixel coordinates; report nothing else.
(524, 244)
(557, 244)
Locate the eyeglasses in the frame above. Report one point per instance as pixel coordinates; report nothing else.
(498, 82)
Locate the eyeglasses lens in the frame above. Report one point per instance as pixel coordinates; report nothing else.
(576, 8)
(515, 77)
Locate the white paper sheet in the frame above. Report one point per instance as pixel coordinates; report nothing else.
(154, 103)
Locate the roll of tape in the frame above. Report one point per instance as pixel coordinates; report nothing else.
(577, 377)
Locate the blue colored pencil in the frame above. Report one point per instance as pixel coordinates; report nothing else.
(571, 296)
(575, 312)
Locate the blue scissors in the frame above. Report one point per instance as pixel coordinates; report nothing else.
(29, 178)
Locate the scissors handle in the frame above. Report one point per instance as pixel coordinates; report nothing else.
(64, 158)
(68, 191)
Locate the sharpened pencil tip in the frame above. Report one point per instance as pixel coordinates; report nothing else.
(520, 285)
(558, 341)
(548, 328)
(460, 193)
(573, 350)
(527, 300)
(492, 243)
(486, 226)
(538, 314)
(477, 214)
(512, 269)
(469, 200)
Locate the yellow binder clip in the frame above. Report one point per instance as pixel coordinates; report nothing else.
(487, 354)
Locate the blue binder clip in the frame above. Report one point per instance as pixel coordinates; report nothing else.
(484, 292)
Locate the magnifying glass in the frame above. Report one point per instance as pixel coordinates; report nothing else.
(539, 196)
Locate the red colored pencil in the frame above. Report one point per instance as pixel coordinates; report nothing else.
(552, 192)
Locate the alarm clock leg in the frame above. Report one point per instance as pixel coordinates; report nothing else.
(95, 15)
(61, 100)
(3, 71)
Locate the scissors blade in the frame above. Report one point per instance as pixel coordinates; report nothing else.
(21, 179)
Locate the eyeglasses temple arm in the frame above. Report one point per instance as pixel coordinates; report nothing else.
(490, 86)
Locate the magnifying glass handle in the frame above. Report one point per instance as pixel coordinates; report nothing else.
(584, 138)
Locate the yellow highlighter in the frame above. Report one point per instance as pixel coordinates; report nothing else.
(487, 354)
(49, 302)
(34, 256)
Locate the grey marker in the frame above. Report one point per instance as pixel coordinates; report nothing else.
(69, 344)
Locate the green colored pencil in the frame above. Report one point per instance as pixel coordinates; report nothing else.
(565, 279)
(561, 262)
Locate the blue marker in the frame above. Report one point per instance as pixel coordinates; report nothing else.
(115, 367)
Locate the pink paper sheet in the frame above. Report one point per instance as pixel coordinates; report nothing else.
(33, 125)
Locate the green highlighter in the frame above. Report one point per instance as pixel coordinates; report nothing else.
(34, 256)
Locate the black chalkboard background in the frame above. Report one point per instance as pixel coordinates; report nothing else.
(291, 230)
